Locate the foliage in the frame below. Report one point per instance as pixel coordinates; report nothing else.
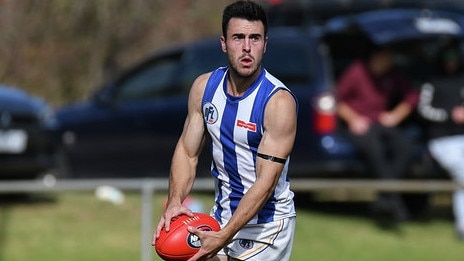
(61, 50)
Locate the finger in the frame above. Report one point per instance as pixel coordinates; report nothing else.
(153, 240)
(167, 223)
(189, 213)
(169, 216)
(193, 230)
(159, 227)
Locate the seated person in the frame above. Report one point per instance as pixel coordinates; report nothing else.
(373, 100)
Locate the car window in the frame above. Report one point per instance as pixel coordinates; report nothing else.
(289, 62)
(152, 80)
(199, 60)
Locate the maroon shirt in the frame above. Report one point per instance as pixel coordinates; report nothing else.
(370, 96)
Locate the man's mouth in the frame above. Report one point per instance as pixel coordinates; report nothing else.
(246, 61)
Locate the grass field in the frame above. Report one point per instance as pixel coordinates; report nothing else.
(78, 227)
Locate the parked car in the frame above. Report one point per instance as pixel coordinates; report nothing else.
(129, 128)
(27, 146)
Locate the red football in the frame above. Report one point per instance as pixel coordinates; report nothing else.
(179, 243)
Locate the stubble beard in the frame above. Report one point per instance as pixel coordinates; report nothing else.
(244, 73)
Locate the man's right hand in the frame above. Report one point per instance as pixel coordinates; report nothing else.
(359, 125)
(171, 212)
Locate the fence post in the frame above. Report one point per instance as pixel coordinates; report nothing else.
(148, 190)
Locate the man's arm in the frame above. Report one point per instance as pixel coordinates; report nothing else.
(404, 108)
(348, 85)
(396, 116)
(278, 138)
(357, 123)
(185, 158)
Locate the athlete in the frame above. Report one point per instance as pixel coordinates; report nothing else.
(251, 119)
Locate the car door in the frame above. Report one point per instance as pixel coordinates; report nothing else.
(155, 101)
(130, 128)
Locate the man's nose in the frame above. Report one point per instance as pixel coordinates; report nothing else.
(246, 45)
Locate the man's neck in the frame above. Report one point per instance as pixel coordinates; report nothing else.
(238, 85)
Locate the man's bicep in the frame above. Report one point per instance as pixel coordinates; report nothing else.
(194, 131)
(280, 125)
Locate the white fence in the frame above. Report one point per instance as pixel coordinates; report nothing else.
(149, 186)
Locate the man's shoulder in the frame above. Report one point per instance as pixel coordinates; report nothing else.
(215, 76)
(201, 80)
(199, 86)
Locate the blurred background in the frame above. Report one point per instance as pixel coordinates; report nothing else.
(62, 50)
(74, 59)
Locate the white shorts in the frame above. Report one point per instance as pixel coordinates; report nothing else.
(263, 242)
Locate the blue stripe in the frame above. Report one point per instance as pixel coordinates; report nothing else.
(210, 89)
(219, 209)
(266, 214)
(230, 156)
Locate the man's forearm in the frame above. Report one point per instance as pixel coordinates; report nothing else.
(181, 178)
(249, 206)
(346, 113)
(401, 111)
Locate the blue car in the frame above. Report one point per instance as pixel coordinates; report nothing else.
(27, 126)
(130, 127)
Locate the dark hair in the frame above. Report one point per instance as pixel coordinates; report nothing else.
(248, 10)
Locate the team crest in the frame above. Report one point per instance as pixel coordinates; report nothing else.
(210, 113)
(246, 244)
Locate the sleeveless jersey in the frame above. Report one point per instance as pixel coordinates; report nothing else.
(235, 125)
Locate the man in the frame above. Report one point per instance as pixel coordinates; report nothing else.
(251, 119)
(441, 103)
(373, 101)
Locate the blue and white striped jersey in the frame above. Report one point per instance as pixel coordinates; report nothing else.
(236, 127)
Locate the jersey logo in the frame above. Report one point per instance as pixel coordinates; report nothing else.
(246, 244)
(210, 113)
(247, 125)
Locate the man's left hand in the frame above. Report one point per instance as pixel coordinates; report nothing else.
(211, 243)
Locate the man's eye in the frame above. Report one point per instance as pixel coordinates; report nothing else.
(255, 38)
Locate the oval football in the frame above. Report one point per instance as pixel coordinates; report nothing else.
(179, 243)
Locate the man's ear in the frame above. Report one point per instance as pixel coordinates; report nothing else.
(223, 44)
(265, 44)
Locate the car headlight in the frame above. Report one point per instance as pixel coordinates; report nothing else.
(47, 118)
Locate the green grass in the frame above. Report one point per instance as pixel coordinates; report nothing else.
(76, 226)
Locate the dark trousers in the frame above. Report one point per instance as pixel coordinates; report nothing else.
(387, 151)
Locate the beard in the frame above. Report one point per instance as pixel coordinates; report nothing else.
(244, 72)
